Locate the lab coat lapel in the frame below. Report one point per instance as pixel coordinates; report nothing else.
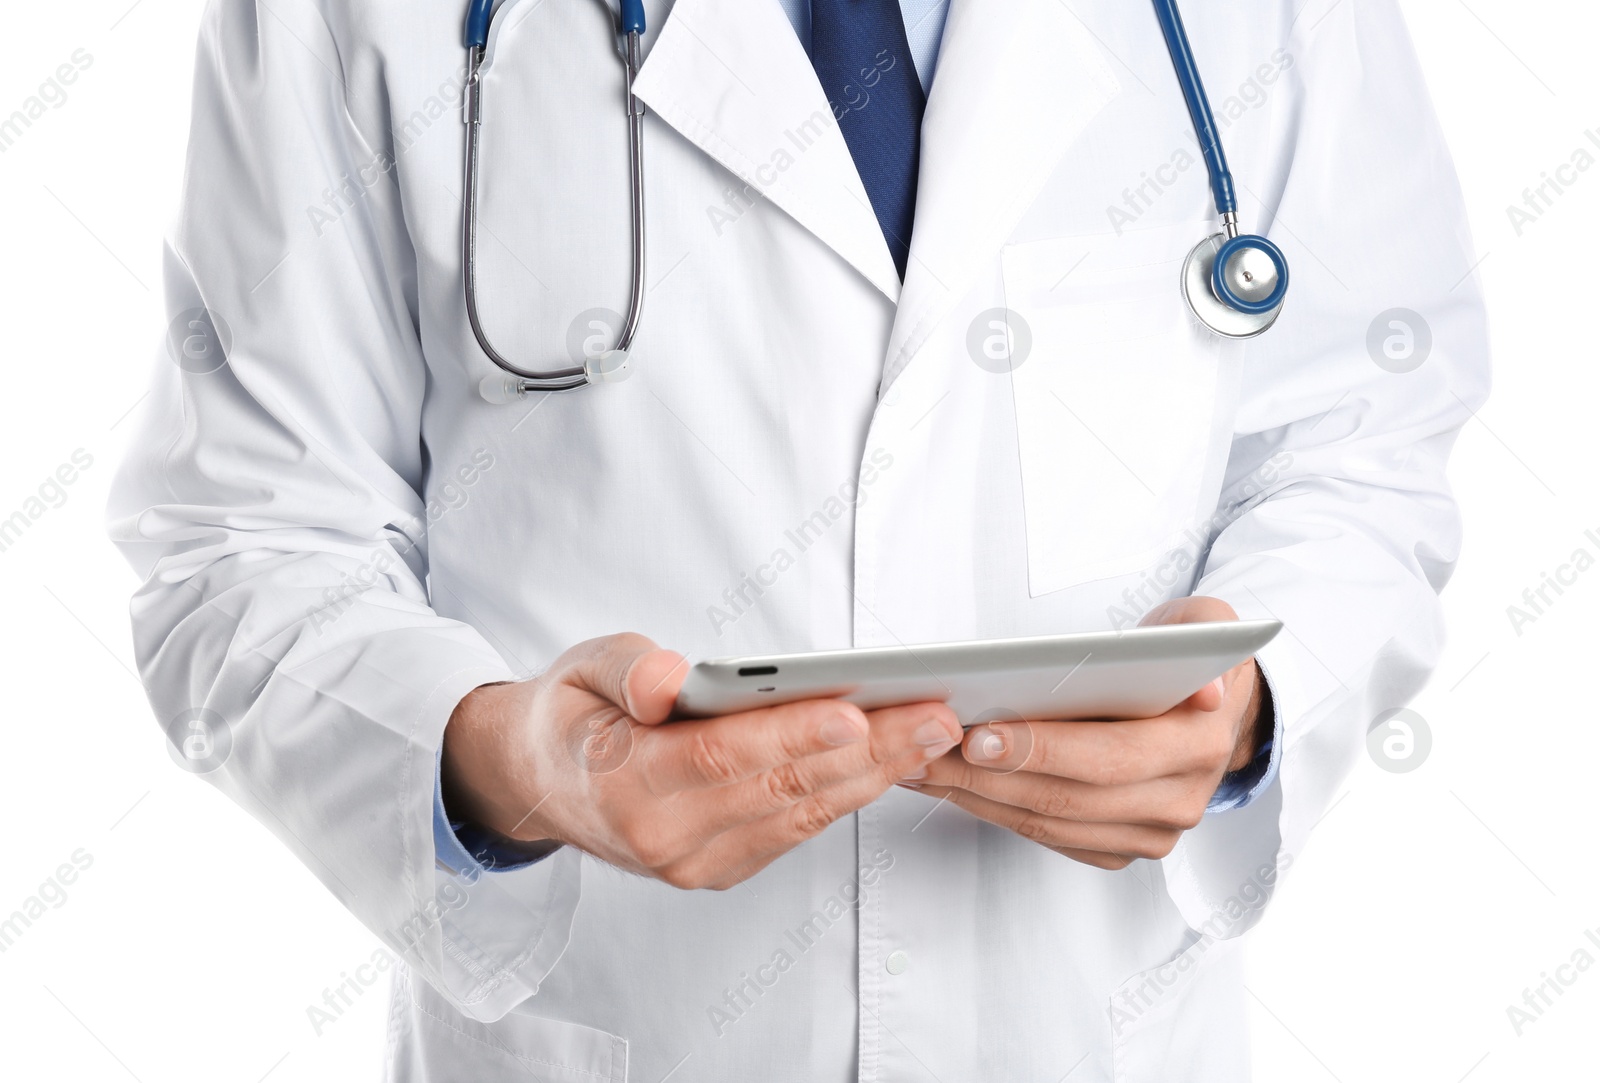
(1015, 85)
(732, 77)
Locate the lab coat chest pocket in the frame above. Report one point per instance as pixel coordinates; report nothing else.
(1116, 400)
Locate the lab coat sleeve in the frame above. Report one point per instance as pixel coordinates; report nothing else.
(469, 850)
(1336, 517)
(273, 506)
(1240, 788)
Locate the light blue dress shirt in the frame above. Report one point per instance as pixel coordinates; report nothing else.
(924, 21)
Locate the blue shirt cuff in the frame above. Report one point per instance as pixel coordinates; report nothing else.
(468, 850)
(1241, 787)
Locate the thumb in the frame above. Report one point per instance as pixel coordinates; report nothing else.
(652, 684)
(632, 672)
(1210, 697)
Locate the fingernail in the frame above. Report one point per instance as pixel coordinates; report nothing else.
(916, 776)
(991, 746)
(843, 729)
(931, 733)
(1220, 686)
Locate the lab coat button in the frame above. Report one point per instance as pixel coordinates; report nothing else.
(897, 962)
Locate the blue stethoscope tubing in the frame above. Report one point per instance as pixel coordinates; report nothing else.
(1246, 274)
(1235, 283)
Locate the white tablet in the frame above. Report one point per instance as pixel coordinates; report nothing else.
(1134, 673)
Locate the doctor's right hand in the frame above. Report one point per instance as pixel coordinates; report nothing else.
(584, 755)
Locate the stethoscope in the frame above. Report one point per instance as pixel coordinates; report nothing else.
(512, 382)
(1234, 282)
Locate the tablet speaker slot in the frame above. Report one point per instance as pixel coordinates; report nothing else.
(757, 671)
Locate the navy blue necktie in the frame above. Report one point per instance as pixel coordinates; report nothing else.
(859, 50)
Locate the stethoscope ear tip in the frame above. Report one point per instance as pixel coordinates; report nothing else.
(611, 367)
(501, 388)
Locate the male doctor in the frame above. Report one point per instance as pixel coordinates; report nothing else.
(914, 367)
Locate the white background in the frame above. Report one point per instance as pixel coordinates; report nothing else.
(192, 946)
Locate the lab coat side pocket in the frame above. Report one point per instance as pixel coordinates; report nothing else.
(1184, 1019)
(1115, 386)
(430, 1042)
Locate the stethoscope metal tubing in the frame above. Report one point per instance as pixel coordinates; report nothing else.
(1212, 299)
(630, 324)
(571, 377)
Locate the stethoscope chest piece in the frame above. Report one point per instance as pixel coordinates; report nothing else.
(1251, 270)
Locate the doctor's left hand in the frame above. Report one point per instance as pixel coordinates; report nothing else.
(1105, 793)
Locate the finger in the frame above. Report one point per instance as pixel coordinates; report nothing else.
(1109, 862)
(628, 670)
(739, 853)
(1104, 753)
(1174, 802)
(1193, 610)
(921, 731)
(745, 849)
(1199, 608)
(902, 742)
(1208, 698)
(1130, 840)
(716, 752)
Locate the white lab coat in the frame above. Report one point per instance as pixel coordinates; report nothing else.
(341, 538)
